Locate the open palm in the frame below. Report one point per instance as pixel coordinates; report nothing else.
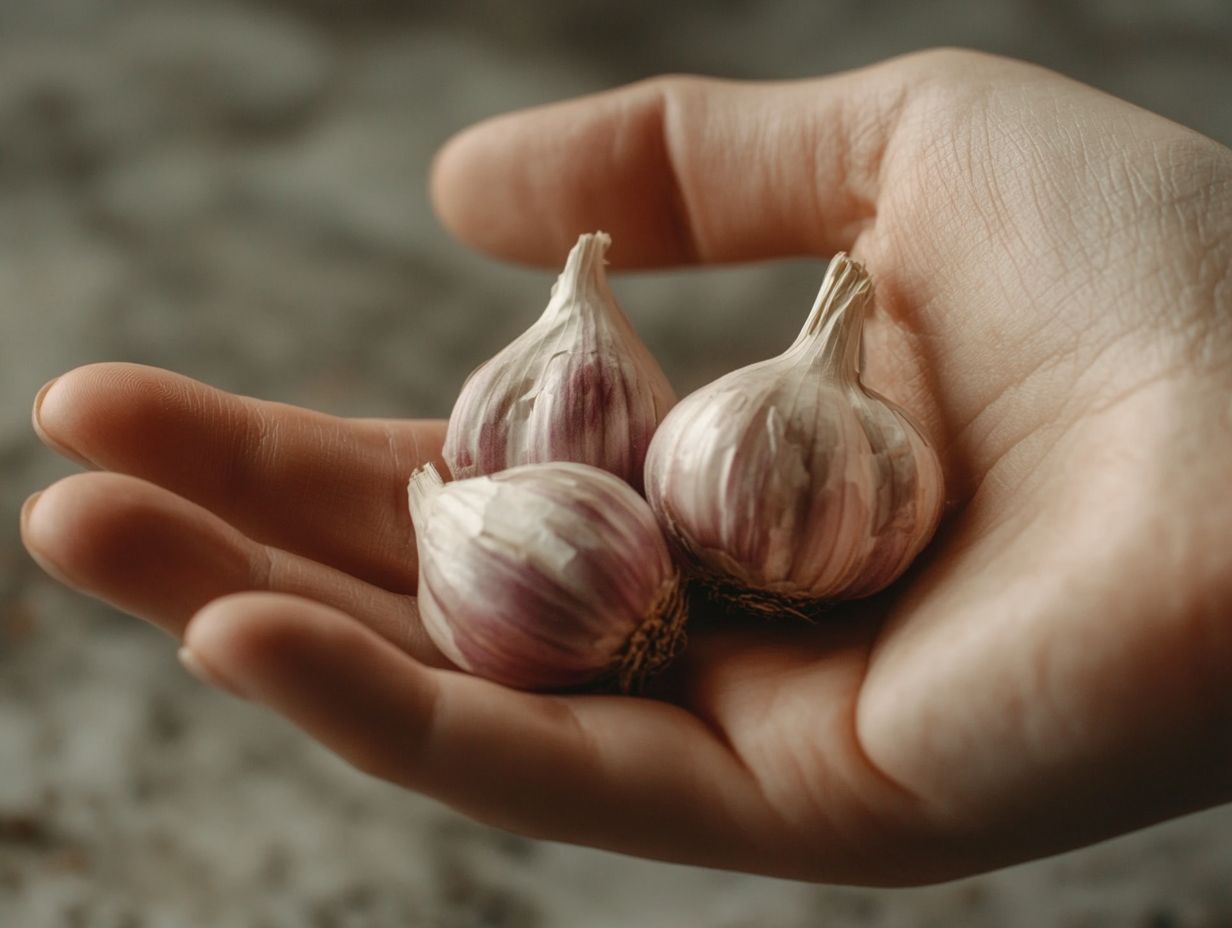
(1053, 305)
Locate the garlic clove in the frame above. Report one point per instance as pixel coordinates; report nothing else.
(546, 576)
(787, 484)
(578, 385)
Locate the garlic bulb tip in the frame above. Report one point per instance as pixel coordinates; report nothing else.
(578, 385)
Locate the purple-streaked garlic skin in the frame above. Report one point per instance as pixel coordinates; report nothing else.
(787, 484)
(540, 576)
(578, 385)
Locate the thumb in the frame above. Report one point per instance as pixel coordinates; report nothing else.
(677, 169)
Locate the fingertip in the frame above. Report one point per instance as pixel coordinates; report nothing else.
(201, 670)
(240, 643)
(134, 545)
(39, 397)
(229, 635)
(44, 515)
(483, 187)
(447, 164)
(248, 632)
(524, 185)
(320, 668)
(269, 643)
(47, 415)
(78, 413)
(243, 643)
(27, 508)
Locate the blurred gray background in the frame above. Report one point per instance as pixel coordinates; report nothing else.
(236, 191)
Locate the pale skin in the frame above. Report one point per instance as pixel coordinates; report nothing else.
(1054, 272)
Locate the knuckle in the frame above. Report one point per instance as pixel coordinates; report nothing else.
(953, 62)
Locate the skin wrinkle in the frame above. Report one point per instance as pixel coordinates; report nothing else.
(822, 791)
(1146, 470)
(809, 151)
(802, 787)
(715, 730)
(879, 134)
(1138, 386)
(1003, 221)
(678, 112)
(251, 453)
(1008, 487)
(1211, 276)
(419, 746)
(1146, 206)
(433, 740)
(759, 839)
(1219, 322)
(823, 208)
(999, 221)
(672, 138)
(227, 468)
(1173, 321)
(397, 759)
(891, 289)
(982, 547)
(562, 712)
(1048, 198)
(398, 516)
(917, 393)
(911, 801)
(1074, 348)
(962, 445)
(786, 820)
(916, 800)
(386, 612)
(261, 566)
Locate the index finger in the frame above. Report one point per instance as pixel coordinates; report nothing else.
(677, 169)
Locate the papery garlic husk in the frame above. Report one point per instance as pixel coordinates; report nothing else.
(546, 577)
(787, 484)
(578, 385)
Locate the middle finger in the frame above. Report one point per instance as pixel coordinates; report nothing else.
(155, 555)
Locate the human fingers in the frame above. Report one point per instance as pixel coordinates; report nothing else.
(326, 488)
(633, 775)
(677, 169)
(161, 557)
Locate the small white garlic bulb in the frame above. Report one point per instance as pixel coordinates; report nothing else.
(578, 385)
(546, 576)
(788, 484)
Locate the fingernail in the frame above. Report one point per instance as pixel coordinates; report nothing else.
(36, 417)
(195, 666)
(27, 512)
(38, 397)
(28, 507)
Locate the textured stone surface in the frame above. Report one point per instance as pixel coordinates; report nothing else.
(236, 191)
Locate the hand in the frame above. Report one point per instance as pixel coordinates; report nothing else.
(1054, 275)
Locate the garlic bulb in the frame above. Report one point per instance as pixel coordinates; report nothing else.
(545, 576)
(578, 385)
(787, 483)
